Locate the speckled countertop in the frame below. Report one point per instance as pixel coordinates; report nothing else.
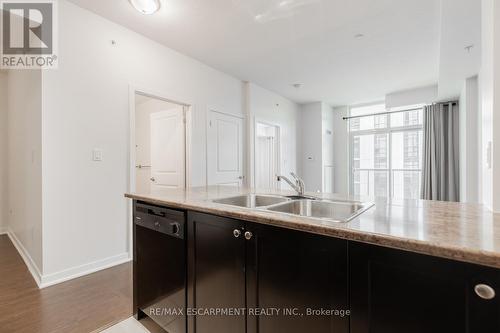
(463, 232)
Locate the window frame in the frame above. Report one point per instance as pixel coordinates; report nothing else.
(387, 131)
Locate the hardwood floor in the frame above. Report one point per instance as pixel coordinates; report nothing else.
(81, 305)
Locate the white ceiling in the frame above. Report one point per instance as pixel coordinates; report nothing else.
(276, 43)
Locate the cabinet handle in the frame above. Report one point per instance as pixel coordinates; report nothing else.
(248, 235)
(176, 227)
(484, 291)
(236, 233)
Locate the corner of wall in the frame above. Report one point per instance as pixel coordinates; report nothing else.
(3, 152)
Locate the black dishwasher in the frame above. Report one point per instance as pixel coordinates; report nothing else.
(160, 266)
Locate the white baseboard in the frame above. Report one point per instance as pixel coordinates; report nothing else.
(32, 267)
(78, 271)
(47, 280)
(4, 231)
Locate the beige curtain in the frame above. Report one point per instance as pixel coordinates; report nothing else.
(440, 169)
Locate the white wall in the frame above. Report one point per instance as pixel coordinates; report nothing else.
(322, 146)
(496, 108)
(341, 150)
(265, 106)
(311, 145)
(327, 126)
(24, 162)
(489, 82)
(86, 105)
(143, 113)
(460, 27)
(3, 151)
(420, 95)
(469, 142)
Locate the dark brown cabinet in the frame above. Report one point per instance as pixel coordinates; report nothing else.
(398, 291)
(216, 273)
(245, 277)
(290, 275)
(301, 275)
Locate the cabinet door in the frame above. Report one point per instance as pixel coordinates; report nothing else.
(296, 271)
(483, 314)
(216, 273)
(396, 291)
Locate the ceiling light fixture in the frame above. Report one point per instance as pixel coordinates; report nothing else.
(359, 36)
(146, 7)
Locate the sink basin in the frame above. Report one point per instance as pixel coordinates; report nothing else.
(335, 211)
(252, 200)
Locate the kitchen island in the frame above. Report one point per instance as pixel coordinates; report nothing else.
(413, 266)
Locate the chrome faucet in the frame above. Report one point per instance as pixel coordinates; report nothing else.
(298, 186)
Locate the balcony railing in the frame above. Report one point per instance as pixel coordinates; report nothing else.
(395, 183)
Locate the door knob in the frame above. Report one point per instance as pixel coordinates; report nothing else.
(236, 233)
(152, 179)
(484, 291)
(248, 235)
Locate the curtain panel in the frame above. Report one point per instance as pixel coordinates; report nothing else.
(440, 164)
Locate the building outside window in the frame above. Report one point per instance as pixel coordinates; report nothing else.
(386, 151)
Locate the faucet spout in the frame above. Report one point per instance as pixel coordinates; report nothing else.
(298, 186)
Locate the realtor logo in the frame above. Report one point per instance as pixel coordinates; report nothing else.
(28, 34)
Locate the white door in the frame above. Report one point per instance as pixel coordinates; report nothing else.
(328, 179)
(267, 159)
(224, 149)
(168, 149)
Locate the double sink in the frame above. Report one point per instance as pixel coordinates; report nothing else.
(322, 209)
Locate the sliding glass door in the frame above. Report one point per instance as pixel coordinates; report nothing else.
(386, 152)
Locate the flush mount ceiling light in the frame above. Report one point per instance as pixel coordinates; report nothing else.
(146, 7)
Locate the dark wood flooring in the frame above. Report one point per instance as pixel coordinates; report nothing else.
(81, 305)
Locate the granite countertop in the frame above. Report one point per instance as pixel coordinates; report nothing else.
(464, 232)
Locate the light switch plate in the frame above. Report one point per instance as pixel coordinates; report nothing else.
(97, 155)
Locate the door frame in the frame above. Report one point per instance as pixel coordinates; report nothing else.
(256, 121)
(131, 186)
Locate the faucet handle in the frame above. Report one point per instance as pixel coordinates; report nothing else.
(294, 175)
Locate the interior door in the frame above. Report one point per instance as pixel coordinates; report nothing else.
(168, 149)
(224, 149)
(265, 168)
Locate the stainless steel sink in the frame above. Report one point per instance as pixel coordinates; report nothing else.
(252, 200)
(335, 211)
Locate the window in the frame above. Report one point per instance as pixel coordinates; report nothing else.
(386, 151)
